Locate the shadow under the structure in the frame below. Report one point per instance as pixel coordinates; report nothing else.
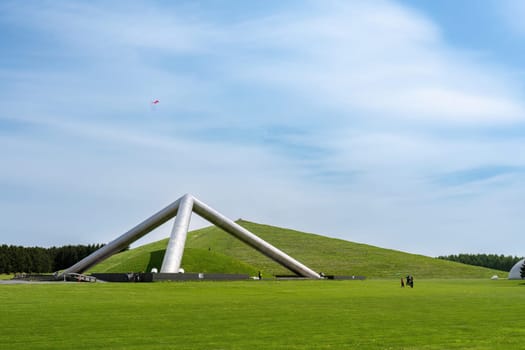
(155, 260)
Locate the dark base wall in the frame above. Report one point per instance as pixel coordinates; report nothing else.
(153, 277)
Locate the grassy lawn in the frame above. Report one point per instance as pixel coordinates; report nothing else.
(372, 314)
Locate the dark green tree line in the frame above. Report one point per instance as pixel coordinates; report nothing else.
(493, 261)
(15, 259)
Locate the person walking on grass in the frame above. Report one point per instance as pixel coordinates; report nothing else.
(410, 281)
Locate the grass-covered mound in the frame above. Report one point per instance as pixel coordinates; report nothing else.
(212, 250)
(332, 256)
(148, 256)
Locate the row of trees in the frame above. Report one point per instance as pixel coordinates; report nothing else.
(493, 261)
(15, 259)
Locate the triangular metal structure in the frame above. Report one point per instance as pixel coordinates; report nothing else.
(182, 209)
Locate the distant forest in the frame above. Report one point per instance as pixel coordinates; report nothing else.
(492, 261)
(15, 259)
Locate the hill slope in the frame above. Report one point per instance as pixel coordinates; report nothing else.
(212, 248)
(148, 256)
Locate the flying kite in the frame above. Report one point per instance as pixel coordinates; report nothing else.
(154, 102)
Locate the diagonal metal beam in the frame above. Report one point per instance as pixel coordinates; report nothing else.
(252, 240)
(126, 239)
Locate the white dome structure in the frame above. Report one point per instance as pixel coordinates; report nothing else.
(515, 272)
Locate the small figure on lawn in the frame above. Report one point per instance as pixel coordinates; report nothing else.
(410, 281)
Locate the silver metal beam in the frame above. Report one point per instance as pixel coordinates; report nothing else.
(175, 248)
(252, 240)
(126, 239)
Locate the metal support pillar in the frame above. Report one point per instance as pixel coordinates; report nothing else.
(175, 248)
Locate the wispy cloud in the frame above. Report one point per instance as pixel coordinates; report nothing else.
(512, 12)
(378, 58)
(476, 175)
(360, 112)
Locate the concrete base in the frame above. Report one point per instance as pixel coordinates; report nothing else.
(326, 277)
(156, 277)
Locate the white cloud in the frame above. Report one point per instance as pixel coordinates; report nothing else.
(384, 59)
(452, 105)
(363, 84)
(359, 58)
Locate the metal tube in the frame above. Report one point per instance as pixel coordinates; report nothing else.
(126, 239)
(252, 240)
(175, 249)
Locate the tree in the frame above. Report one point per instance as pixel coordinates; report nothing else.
(493, 261)
(522, 270)
(40, 260)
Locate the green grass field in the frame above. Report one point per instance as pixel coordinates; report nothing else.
(371, 314)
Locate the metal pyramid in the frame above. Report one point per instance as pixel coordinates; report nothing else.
(182, 209)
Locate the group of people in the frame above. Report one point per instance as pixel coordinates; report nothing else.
(409, 281)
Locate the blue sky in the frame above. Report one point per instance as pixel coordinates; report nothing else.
(394, 123)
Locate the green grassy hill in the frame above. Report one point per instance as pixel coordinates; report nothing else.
(148, 256)
(213, 250)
